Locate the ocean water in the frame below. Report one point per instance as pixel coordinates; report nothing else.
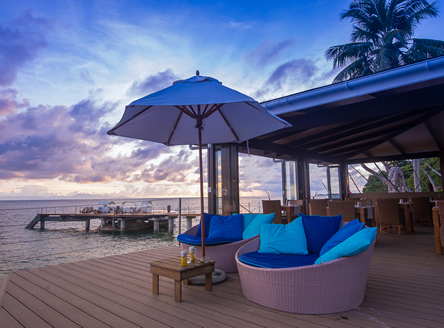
(63, 242)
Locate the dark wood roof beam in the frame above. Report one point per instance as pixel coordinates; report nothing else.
(393, 157)
(394, 131)
(397, 147)
(364, 126)
(433, 135)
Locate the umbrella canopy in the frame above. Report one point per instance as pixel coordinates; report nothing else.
(219, 114)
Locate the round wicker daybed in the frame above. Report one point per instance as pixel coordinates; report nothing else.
(330, 287)
(223, 254)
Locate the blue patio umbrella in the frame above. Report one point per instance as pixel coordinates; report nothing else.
(219, 114)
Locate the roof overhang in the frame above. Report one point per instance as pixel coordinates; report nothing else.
(395, 114)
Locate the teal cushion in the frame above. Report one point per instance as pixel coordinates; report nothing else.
(345, 232)
(254, 228)
(283, 239)
(226, 227)
(353, 245)
(248, 218)
(319, 229)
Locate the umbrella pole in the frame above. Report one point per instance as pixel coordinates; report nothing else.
(202, 219)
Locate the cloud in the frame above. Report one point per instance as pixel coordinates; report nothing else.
(268, 51)
(240, 25)
(178, 168)
(266, 175)
(69, 144)
(153, 83)
(20, 41)
(293, 76)
(8, 102)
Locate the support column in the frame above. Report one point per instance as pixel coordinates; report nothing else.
(344, 186)
(156, 225)
(303, 181)
(212, 179)
(87, 224)
(441, 165)
(189, 222)
(230, 179)
(170, 224)
(123, 225)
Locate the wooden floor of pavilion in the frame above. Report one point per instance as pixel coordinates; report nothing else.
(405, 289)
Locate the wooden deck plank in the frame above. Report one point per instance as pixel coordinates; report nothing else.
(126, 299)
(141, 290)
(52, 317)
(168, 285)
(57, 303)
(7, 320)
(402, 291)
(126, 316)
(22, 314)
(86, 305)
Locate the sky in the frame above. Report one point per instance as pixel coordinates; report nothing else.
(69, 68)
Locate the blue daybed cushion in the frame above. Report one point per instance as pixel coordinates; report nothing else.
(283, 239)
(346, 231)
(226, 227)
(277, 260)
(197, 241)
(353, 245)
(207, 218)
(254, 228)
(319, 229)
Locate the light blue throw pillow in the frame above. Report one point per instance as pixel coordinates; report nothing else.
(254, 228)
(248, 217)
(283, 239)
(353, 245)
(345, 232)
(226, 227)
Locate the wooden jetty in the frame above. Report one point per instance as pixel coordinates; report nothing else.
(112, 222)
(404, 290)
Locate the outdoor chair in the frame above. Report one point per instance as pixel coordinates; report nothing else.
(388, 215)
(421, 210)
(297, 202)
(363, 201)
(345, 208)
(273, 206)
(334, 285)
(318, 207)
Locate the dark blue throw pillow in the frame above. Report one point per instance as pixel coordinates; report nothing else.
(207, 218)
(319, 229)
(226, 227)
(345, 232)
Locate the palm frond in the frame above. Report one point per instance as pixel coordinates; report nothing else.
(427, 48)
(356, 69)
(346, 53)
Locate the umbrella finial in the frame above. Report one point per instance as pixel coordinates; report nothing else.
(197, 73)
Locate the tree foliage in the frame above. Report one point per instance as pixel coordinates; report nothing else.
(382, 37)
(375, 185)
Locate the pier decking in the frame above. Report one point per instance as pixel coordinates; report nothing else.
(404, 289)
(122, 222)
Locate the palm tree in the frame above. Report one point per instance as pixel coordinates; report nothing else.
(382, 37)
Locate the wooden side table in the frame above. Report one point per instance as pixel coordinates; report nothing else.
(171, 268)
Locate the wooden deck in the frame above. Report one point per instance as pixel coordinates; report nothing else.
(405, 289)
